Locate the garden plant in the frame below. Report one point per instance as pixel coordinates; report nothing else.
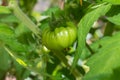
(75, 40)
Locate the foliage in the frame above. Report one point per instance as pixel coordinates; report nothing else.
(23, 55)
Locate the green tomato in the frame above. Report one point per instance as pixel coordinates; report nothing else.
(60, 38)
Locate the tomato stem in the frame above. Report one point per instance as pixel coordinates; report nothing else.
(23, 18)
(90, 49)
(57, 22)
(62, 58)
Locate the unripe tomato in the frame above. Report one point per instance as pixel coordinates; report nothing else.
(59, 38)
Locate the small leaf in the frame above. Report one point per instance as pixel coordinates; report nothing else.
(21, 29)
(55, 10)
(113, 15)
(5, 30)
(115, 19)
(7, 37)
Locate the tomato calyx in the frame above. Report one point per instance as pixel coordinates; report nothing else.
(57, 22)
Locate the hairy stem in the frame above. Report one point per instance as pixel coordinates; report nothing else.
(62, 58)
(23, 18)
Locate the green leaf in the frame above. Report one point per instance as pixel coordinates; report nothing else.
(117, 2)
(113, 15)
(84, 27)
(5, 31)
(113, 11)
(55, 10)
(105, 60)
(115, 19)
(21, 29)
(9, 19)
(16, 46)
(104, 42)
(7, 37)
(24, 36)
(4, 10)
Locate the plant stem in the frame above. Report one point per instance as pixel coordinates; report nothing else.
(23, 18)
(62, 58)
(90, 49)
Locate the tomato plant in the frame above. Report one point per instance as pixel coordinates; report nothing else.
(35, 44)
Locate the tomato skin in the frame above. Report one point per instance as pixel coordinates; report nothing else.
(60, 38)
